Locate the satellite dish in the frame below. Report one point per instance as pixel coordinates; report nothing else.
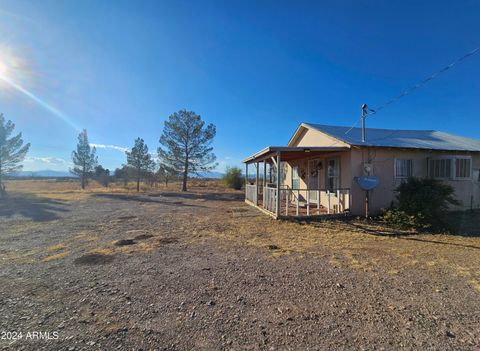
(368, 182)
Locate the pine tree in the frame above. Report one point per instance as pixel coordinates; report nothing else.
(140, 160)
(166, 174)
(84, 159)
(12, 151)
(187, 144)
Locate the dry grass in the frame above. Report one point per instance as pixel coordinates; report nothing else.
(57, 247)
(355, 245)
(56, 256)
(70, 190)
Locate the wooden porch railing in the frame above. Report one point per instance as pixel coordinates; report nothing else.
(270, 199)
(311, 202)
(251, 193)
(300, 202)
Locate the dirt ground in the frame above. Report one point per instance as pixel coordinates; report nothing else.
(164, 270)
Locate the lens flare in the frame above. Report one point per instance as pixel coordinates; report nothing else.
(11, 68)
(3, 68)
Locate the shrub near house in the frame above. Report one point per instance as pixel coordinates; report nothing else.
(422, 204)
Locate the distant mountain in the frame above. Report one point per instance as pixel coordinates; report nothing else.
(215, 175)
(43, 173)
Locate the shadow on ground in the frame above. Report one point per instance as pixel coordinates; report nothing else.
(39, 209)
(207, 196)
(409, 236)
(145, 199)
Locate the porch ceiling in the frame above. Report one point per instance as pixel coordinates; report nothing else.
(292, 153)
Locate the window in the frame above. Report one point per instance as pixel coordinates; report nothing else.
(450, 168)
(295, 181)
(463, 168)
(403, 168)
(333, 174)
(440, 168)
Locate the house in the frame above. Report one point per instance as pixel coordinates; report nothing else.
(317, 172)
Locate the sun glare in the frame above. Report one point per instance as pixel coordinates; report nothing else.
(3, 69)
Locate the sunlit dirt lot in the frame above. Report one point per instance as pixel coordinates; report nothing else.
(110, 268)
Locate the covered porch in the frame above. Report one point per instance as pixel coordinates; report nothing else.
(297, 182)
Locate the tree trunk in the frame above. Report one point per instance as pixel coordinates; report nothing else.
(2, 188)
(84, 174)
(138, 184)
(185, 175)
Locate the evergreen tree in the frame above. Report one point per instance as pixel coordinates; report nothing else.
(84, 159)
(166, 174)
(12, 150)
(140, 160)
(187, 145)
(102, 175)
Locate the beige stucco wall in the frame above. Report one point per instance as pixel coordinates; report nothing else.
(311, 137)
(383, 161)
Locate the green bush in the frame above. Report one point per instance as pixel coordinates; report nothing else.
(403, 220)
(422, 204)
(233, 178)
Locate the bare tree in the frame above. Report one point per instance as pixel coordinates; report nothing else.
(84, 159)
(187, 144)
(12, 151)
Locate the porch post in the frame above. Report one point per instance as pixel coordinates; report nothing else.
(256, 183)
(279, 197)
(264, 181)
(246, 180)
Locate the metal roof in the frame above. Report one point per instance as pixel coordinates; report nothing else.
(416, 139)
(291, 151)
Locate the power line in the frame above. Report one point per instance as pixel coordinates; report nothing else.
(416, 86)
(425, 81)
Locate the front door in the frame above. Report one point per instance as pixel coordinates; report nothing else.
(313, 178)
(333, 174)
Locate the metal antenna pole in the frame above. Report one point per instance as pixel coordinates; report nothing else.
(364, 113)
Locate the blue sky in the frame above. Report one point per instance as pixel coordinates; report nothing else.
(255, 69)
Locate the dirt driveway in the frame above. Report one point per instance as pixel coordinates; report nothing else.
(201, 270)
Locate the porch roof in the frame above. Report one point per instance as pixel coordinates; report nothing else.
(292, 152)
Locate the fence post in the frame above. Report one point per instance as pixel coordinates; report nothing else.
(349, 200)
(287, 195)
(298, 199)
(308, 202)
(328, 201)
(338, 200)
(318, 202)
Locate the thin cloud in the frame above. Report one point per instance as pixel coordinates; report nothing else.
(40, 163)
(47, 160)
(111, 147)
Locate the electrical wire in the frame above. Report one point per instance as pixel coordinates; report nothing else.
(415, 87)
(425, 81)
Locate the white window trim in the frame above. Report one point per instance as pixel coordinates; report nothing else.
(453, 167)
(470, 176)
(395, 167)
